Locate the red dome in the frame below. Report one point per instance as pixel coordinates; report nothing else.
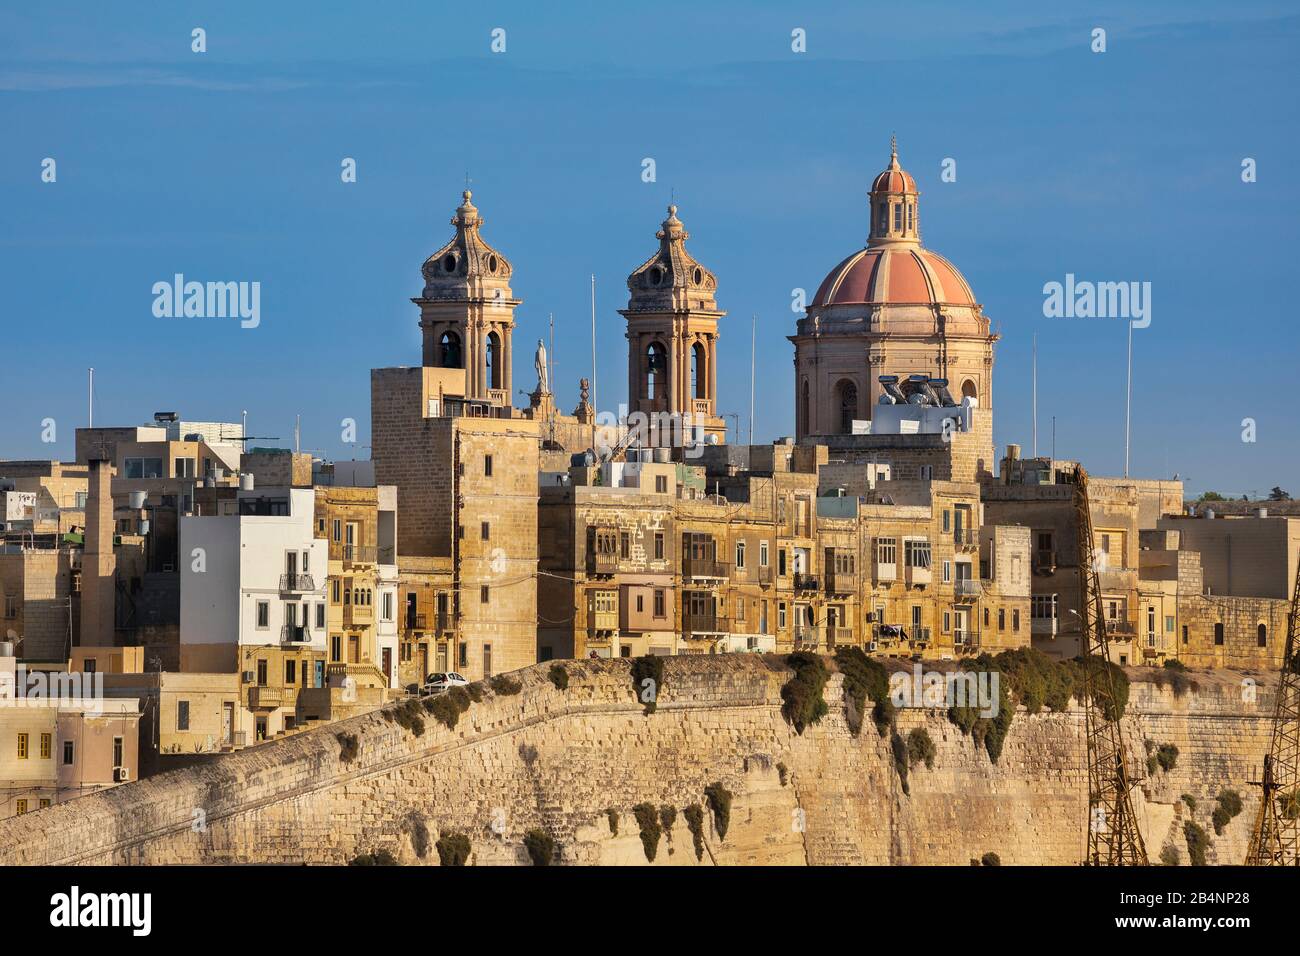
(894, 180)
(894, 275)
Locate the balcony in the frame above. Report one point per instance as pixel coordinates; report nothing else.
(917, 575)
(705, 625)
(965, 539)
(1044, 561)
(416, 622)
(965, 638)
(266, 697)
(840, 582)
(705, 568)
(967, 589)
(293, 583)
(358, 614)
(807, 637)
(352, 554)
(498, 396)
(765, 576)
(839, 635)
(804, 581)
(1118, 627)
(1045, 626)
(445, 623)
(700, 406)
(295, 634)
(602, 563)
(920, 634)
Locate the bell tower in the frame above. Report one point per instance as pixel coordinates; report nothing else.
(672, 334)
(467, 311)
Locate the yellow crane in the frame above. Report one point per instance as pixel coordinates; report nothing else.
(1274, 840)
(1113, 836)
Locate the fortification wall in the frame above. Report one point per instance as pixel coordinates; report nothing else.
(559, 760)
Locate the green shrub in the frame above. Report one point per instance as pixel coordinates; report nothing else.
(540, 847)
(1167, 757)
(647, 818)
(1119, 683)
(784, 771)
(1190, 801)
(864, 677)
(667, 817)
(376, 858)
(504, 685)
(989, 732)
(559, 677)
(1197, 842)
(407, 715)
(1289, 803)
(1229, 805)
(1169, 856)
(1174, 664)
(611, 817)
(1036, 680)
(899, 750)
(348, 747)
(1152, 766)
(453, 849)
(802, 700)
(695, 823)
(649, 668)
(443, 709)
(719, 798)
(475, 691)
(920, 748)
(990, 859)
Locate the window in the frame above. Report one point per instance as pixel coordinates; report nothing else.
(947, 622)
(762, 554)
(320, 615)
(144, 468)
(1218, 633)
(336, 648)
(483, 594)
(261, 672)
(1002, 619)
(986, 617)
(46, 740)
(22, 746)
(263, 615)
(1043, 606)
(1015, 619)
(487, 466)
(624, 544)
(780, 613)
(661, 484)
(182, 715)
(780, 562)
(740, 608)
(640, 603)
(337, 530)
(386, 606)
(659, 545)
(1261, 635)
(44, 802)
(916, 552)
(1184, 633)
(67, 753)
(947, 571)
(487, 660)
(290, 672)
(11, 606)
(20, 806)
(462, 655)
(898, 217)
(740, 555)
(659, 603)
(886, 550)
(485, 531)
(1169, 624)
(927, 472)
(336, 590)
(947, 520)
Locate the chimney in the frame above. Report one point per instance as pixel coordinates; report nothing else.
(98, 564)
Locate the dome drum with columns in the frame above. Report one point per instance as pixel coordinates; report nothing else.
(893, 308)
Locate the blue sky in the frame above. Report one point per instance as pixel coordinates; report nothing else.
(225, 166)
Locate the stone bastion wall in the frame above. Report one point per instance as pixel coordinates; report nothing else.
(560, 760)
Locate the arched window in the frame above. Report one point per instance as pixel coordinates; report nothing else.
(968, 390)
(656, 371)
(449, 355)
(848, 398)
(492, 368)
(883, 219)
(699, 372)
(1261, 635)
(803, 410)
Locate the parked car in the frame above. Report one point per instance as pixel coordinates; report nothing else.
(440, 683)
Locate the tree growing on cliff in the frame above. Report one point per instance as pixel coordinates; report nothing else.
(864, 678)
(802, 703)
(1197, 842)
(453, 849)
(648, 680)
(647, 818)
(695, 823)
(719, 798)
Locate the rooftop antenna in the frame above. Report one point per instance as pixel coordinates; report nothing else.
(593, 342)
(1035, 398)
(90, 397)
(243, 432)
(753, 327)
(1128, 396)
(297, 433)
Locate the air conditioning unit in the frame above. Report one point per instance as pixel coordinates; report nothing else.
(121, 774)
(871, 646)
(246, 677)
